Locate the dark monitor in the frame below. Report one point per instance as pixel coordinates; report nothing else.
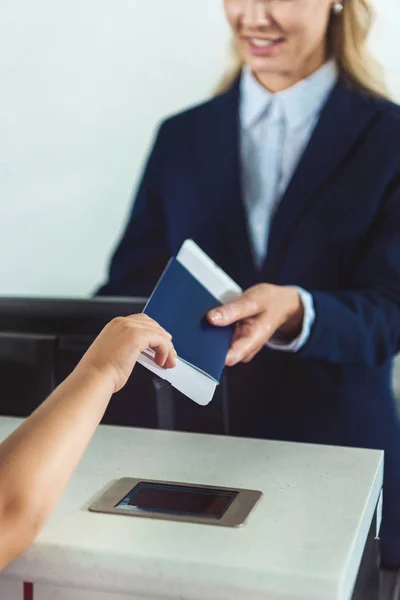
(64, 316)
(27, 364)
(43, 339)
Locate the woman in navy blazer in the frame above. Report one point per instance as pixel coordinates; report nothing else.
(332, 260)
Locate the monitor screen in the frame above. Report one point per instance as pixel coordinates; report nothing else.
(178, 500)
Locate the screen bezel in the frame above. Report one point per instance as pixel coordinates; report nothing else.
(235, 515)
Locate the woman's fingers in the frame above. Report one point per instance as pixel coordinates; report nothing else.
(250, 337)
(248, 305)
(245, 340)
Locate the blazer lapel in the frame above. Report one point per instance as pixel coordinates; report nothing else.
(218, 164)
(345, 117)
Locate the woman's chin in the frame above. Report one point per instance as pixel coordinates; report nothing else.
(271, 67)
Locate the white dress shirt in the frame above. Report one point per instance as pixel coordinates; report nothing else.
(275, 130)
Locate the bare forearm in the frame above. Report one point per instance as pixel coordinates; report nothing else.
(38, 459)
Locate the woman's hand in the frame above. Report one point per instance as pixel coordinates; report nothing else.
(117, 348)
(261, 312)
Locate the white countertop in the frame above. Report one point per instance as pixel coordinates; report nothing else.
(303, 541)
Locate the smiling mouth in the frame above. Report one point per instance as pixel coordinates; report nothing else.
(263, 46)
(264, 42)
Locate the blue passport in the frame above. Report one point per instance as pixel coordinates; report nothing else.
(180, 304)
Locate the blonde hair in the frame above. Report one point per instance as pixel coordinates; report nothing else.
(348, 35)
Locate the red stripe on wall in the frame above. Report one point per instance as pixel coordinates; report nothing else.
(28, 591)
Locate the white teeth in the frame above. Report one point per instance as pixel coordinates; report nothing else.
(261, 43)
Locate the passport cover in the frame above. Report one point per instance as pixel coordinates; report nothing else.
(180, 303)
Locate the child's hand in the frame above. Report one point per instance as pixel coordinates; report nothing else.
(116, 350)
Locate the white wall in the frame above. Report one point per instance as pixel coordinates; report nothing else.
(83, 83)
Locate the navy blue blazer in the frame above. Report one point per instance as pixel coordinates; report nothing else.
(336, 233)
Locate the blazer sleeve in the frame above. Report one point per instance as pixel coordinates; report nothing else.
(362, 326)
(142, 252)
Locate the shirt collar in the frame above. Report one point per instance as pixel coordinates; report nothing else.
(298, 102)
